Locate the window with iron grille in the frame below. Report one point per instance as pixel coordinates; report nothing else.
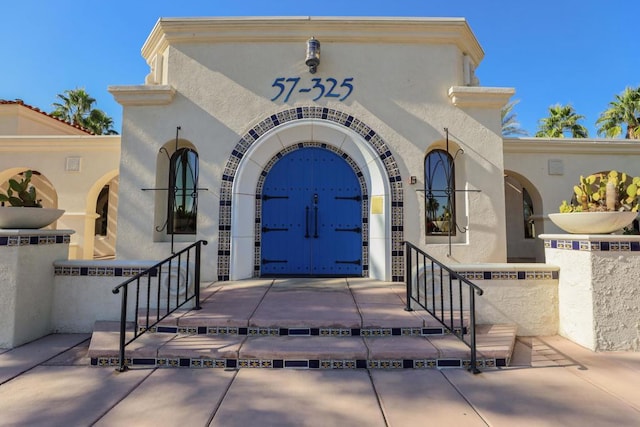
(439, 193)
(183, 194)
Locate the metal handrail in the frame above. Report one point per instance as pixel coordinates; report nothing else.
(441, 296)
(164, 303)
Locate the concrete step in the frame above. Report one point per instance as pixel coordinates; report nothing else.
(495, 345)
(303, 323)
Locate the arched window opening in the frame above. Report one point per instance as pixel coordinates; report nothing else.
(527, 211)
(183, 194)
(102, 209)
(439, 193)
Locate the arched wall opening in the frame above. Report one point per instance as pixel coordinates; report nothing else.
(523, 227)
(237, 219)
(98, 244)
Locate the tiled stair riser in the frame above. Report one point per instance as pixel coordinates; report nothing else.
(299, 364)
(329, 332)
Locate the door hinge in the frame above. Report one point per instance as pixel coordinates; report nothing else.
(353, 230)
(274, 261)
(267, 229)
(266, 197)
(355, 262)
(355, 198)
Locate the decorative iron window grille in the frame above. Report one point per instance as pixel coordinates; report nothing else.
(440, 212)
(183, 192)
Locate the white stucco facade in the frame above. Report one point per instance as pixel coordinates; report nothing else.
(217, 80)
(387, 92)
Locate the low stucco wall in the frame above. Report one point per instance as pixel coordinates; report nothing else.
(522, 294)
(599, 289)
(82, 292)
(26, 269)
(81, 300)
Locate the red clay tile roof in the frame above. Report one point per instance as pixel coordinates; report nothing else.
(37, 110)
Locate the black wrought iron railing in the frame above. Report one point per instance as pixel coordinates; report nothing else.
(447, 296)
(155, 293)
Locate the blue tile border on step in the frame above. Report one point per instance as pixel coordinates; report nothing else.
(256, 331)
(319, 364)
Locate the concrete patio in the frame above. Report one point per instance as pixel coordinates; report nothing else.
(550, 382)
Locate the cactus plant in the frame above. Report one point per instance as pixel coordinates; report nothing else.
(590, 195)
(21, 193)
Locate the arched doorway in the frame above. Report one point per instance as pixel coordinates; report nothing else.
(311, 216)
(364, 150)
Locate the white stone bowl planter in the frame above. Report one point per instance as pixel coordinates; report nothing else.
(27, 218)
(592, 222)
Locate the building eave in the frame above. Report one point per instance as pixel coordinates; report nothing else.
(59, 143)
(480, 97)
(140, 95)
(172, 31)
(571, 146)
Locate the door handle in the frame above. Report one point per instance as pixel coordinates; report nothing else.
(315, 208)
(306, 222)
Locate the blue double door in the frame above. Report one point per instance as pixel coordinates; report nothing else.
(311, 216)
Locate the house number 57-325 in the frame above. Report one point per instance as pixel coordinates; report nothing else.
(328, 88)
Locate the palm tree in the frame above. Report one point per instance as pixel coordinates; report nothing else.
(76, 107)
(624, 110)
(510, 124)
(99, 123)
(561, 120)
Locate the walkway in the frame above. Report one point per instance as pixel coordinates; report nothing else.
(551, 382)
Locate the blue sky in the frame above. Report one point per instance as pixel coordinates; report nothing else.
(574, 52)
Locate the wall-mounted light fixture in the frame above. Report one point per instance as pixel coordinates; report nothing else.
(313, 55)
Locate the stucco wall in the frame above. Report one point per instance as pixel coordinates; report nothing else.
(86, 287)
(224, 87)
(55, 157)
(26, 270)
(554, 166)
(599, 296)
(521, 294)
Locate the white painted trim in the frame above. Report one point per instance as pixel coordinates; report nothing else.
(271, 143)
(410, 30)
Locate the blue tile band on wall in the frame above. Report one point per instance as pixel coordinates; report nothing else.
(102, 271)
(35, 240)
(592, 246)
(509, 275)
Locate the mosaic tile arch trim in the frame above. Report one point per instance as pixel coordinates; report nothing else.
(363, 188)
(319, 113)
